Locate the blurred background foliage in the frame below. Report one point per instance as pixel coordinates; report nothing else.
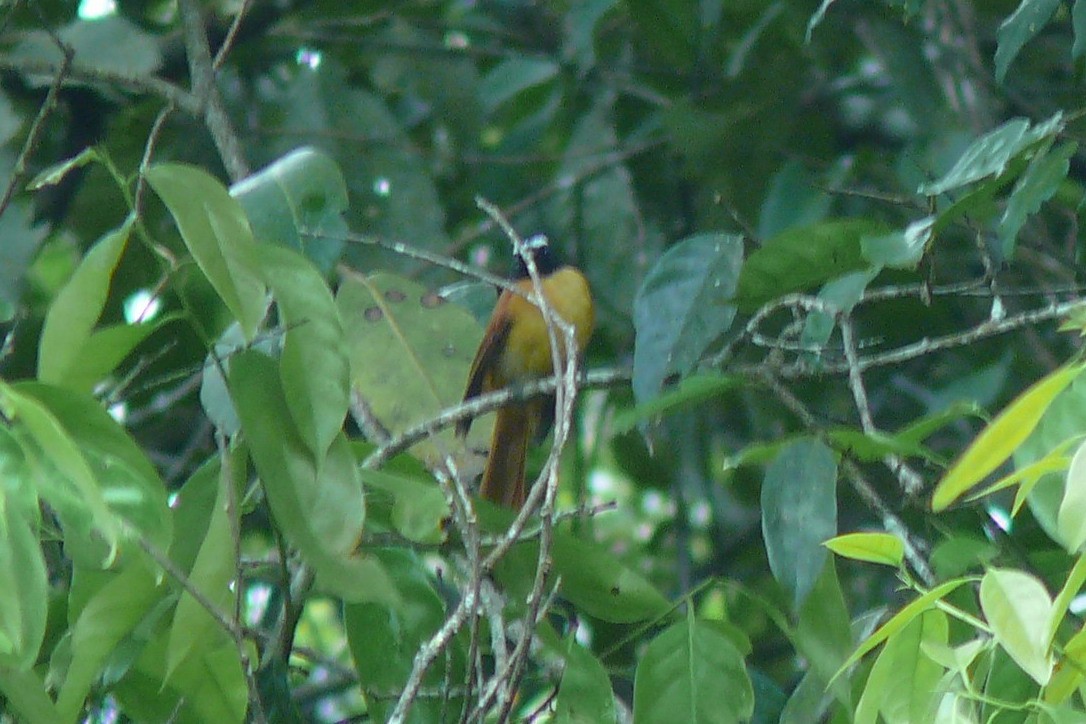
(617, 129)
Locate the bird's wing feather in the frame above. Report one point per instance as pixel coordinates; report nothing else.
(487, 356)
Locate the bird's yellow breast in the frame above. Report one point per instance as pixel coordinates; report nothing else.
(528, 353)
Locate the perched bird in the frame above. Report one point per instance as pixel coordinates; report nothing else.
(516, 349)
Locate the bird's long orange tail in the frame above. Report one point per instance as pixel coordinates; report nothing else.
(503, 478)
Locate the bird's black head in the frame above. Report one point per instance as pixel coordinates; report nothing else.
(545, 259)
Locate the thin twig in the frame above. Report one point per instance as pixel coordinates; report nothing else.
(38, 126)
(910, 481)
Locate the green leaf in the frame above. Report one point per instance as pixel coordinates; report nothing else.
(691, 391)
(1071, 519)
(314, 367)
(22, 235)
(603, 210)
(874, 446)
(397, 632)
(1060, 605)
(304, 191)
(669, 27)
(128, 482)
(1043, 176)
(317, 504)
(410, 354)
(840, 295)
(584, 693)
(52, 175)
(419, 509)
(106, 348)
(884, 548)
(682, 307)
(194, 632)
(217, 234)
(1018, 29)
(602, 585)
(78, 305)
(27, 696)
(1078, 23)
(692, 673)
(900, 249)
(990, 154)
(902, 685)
(801, 258)
(998, 440)
(66, 480)
(1018, 609)
(795, 197)
(111, 44)
(24, 604)
(513, 76)
(900, 620)
(823, 634)
(110, 615)
(799, 511)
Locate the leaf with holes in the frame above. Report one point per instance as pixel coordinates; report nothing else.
(410, 353)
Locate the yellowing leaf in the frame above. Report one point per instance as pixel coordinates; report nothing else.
(881, 548)
(999, 440)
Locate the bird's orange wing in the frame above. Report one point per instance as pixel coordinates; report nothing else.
(487, 357)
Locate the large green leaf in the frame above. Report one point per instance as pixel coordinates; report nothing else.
(801, 258)
(314, 367)
(1018, 29)
(692, 673)
(799, 512)
(410, 354)
(990, 154)
(217, 234)
(318, 504)
(902, 683)
(304, 191)
(1018, 609)
(76, 308)
(584, 694)
(1071, 518)
(683, 305)
(884, 548)
(599, 583)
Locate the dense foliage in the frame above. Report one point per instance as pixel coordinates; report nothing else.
(823, 459)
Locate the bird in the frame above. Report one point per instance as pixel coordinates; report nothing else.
(516, 349)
